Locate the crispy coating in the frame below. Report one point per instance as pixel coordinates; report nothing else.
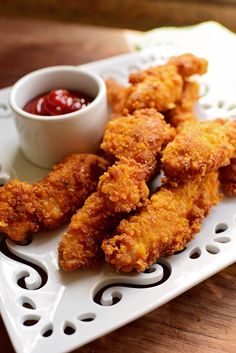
(227, 177)
(117, 95)
(157, 87)
(189, 65)
(26, 208)
(183, 113)
(66, 188)
(17, 208)
(80, 246)
(123, 186)
(136, 141)
(171, 219)
(140, 136)
(114, 89)
(199, 148)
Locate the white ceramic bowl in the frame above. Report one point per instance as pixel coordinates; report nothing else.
(44, 140)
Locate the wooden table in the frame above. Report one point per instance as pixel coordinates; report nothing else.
(201, 320)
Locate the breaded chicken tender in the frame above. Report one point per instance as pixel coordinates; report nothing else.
(66, 188)
(199, 148)
(157, 87)
(171, 219)
(189, 65)
(137, 136)
(17, 208)
(184, 113)
(117, 95)
(26, 208)
(80, 246)
(136, 142)
(227, 177)
(124, 186)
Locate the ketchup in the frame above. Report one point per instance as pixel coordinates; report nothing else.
(57, 102)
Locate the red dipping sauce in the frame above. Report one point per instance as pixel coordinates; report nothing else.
(57, 102)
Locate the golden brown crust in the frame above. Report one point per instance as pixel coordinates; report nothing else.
(123, 186)
(26, 208)
(117, 96)
(17, 209)
(66, 188)
(80, 245)
(157, 87)
(227, 176)
(138, 136)
(199, 148)
(171, 218)
(184, 113)
(136, 141)
(189, 65)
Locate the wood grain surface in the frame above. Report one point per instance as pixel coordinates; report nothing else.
(201, 320)
(135, 14)
(28, 45)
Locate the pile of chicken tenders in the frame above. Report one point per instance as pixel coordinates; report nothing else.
(106, 197)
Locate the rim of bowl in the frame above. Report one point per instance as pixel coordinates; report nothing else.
(77, 113)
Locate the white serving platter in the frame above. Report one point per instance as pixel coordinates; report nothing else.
(56, 312)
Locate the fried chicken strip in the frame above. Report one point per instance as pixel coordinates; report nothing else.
(184, 111)
(122, 188)
(171, 219)
(227, 177)
(199, 148)
(117, 95)
(136, 141)
(26, 208)
(157, 87)
(80, 245)
(189, 65)
(17, 208)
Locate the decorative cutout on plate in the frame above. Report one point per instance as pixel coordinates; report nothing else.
(212, 249)
(213, 107)
(222, 239)
(110, 294)
(150, 59)
(30, 320)
(69, 328)
(195, 253)
(27, 303)
(47, 331)
(24, 278)
(221, 227)
(87, 317)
